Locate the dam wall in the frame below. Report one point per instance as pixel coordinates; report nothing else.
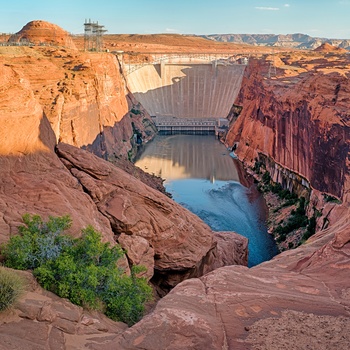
(187, 90)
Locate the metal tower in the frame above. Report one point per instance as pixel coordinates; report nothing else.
(93, 33)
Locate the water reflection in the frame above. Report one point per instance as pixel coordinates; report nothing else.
(188, 156)
(202, 177)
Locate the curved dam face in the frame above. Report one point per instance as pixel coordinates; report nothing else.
(202, 89)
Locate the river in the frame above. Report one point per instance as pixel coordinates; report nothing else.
(202, 176)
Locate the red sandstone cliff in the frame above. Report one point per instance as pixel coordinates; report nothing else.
(301, 298)
(298, 123)
(301, 122)
(84, 97)
(49, 95)
(43, 33)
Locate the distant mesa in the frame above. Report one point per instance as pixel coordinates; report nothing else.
(326, 47)
(43, 33)
(297, 40)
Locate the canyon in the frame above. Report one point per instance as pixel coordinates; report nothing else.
(68, 115)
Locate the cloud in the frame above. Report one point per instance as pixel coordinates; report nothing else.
(286, 5)
(262, 8)
(171, 30)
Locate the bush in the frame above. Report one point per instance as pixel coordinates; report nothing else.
(329, 198)
(83, 270)
(37, 243)
(266, 178)
(296, 220)
(135, 111)
(11, 288)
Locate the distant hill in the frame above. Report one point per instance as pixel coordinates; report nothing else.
(326, 47)
(300, 41)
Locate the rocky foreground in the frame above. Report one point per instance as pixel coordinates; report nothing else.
(58, 106)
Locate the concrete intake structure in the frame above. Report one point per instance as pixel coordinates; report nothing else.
(196, 89)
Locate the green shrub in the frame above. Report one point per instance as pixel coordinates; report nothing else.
(83, 270)
(296, 220)
(38, 242)
(329, 198)
(266, 178)
(135, 111)
(11, 288)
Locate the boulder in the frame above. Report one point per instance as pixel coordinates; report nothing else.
(183, 245)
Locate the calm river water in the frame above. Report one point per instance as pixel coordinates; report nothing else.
(201, 176)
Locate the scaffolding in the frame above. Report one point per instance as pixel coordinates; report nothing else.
(93, 33)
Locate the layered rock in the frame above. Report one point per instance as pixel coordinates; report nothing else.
(300, 122)
(42, 32)
(176, 242)
(44, 321)
(33, 180)
(295, 297)
(84, 97)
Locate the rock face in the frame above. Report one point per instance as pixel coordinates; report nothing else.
(33, 179)
(84, 97)
(298, 122)
(151, 227)
(45, 321)
(42, 32)
(301, 122)
(235, 307)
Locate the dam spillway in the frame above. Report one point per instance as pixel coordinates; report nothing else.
(186, 89)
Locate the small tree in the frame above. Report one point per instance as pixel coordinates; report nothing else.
(84, 270)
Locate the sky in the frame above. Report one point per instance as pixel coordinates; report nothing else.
(319, 18)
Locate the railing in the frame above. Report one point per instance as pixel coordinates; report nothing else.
(189, 58)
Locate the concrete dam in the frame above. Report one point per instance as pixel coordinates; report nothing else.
(186, 94)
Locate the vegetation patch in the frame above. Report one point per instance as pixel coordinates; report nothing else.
(296, 228)
(11, 288)
(83, 270)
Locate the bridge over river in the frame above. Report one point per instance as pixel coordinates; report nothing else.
(194, 88)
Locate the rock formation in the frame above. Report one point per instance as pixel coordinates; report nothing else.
(326, 47)
(298, 124)
(49, 95)
(44, 321)
(155, 230)
(297, 121)
(43, 33)
(76, 89)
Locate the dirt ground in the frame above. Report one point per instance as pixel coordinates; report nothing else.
(300, 331)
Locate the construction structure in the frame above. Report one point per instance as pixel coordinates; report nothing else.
(187, 93)
(93, 33)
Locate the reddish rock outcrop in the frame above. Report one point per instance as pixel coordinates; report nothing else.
(299, 122)
(32, 179)
(44, 321)
(326, 47)
(302, 297)
(84, 97)
(183, 245)
(42, 32)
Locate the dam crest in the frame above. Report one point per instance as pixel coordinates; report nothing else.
(187, 93)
